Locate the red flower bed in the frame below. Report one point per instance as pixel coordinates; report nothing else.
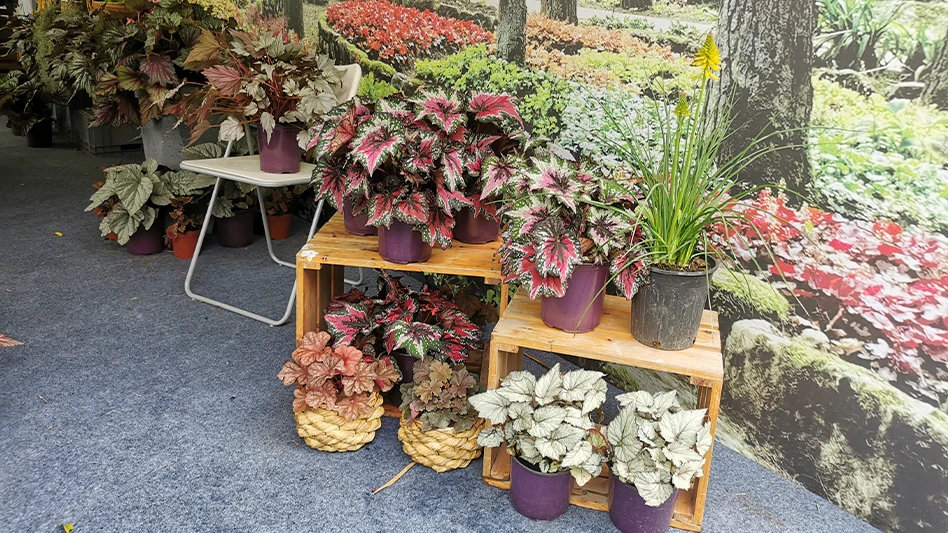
(874, 282)
(398, 34)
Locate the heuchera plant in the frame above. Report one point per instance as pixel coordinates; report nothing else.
(552, 227)
(419, 161)
(438, 396)
(337, 378)
(656, 445)
(256, 78)
(546, 422)
(421, 323)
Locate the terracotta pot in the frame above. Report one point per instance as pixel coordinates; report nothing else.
(279, 226)
(183, 244)
(280, 154)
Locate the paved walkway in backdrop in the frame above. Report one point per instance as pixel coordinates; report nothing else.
(660, 24)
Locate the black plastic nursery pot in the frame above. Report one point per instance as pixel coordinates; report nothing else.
(406, 364)
(666, 312)
(630, 514)
(236, 231)
(401, 243)
(538, 495)
(40, 135)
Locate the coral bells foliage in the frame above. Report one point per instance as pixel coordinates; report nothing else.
(889, 286)
(337, 378)
(421, 323)
(438, 396)
(419, 161)
(398, 34)
(550, 230)
(256, 77)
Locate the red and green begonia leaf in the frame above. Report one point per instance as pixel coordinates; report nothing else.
(445, 113)
(447, 200)
(557, 251)
(498, 174)
(333, 183)
(412, 209)
(345, 321)
(453, 168)
(416, 338)
(494, 108)
(439, 230)
(379, 142)
(382, 207)
(558, 181)
(225, 79)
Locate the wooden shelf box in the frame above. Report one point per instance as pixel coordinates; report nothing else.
(521, 328)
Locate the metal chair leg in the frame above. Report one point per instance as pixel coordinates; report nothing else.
(266, 233)
(312, 231)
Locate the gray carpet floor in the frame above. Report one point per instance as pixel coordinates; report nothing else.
(131, 408)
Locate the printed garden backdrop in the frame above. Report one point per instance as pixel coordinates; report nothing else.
(837, 344)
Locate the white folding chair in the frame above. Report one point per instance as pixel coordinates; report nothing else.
(246, 169)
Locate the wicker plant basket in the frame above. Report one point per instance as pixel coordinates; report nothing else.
(325, 430)
(440, 449)
(112, 9)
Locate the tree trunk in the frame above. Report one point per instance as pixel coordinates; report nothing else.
(559, 10)
(511, 31)
(767, 55)
(291, 10)
(936, 85)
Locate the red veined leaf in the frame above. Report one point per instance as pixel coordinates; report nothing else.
(453, 169)
(382, 207)
(484, 208)
(604, 226)
(416, 338)
(558, 181)
(439, 230)
(332, 186)
(159, 69)
(380, 141)
(131, 80)
(353, 407)
(322, 396)
(360, 380)
(358, 180)
(346, 320)
(449, 201)
(443, 112)
(494, 108)
(558, 252)
(498, 174)
(412, 209)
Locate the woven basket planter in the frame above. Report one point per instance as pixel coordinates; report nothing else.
(326, 431)
(440, 449)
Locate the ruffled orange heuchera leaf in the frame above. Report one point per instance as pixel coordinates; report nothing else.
(362, 379)
(293, 373)
(708, 58)
(350, 357)
(352, 407)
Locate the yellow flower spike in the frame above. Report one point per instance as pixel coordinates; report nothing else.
(682, 109)
(708, 58)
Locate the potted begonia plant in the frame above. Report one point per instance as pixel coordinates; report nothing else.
(186, 210)
(439, 427)
(404, 323)
(134, 194)
(688, 190)
(281, 85)
(337, 401)
(559, 247)
(411, 166)
(547, 426)
(656, 449)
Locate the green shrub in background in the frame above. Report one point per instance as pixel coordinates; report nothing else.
(649, 74)
(371, 89)
(542, 96)
(586, 130)
(875, 159)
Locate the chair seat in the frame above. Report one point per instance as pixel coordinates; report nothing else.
(246, 169)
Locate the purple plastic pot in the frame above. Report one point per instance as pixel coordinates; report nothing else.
(41, 134)
(401, 244)
(538, 495)
(406, 364)
(281, 154)
(148, 241)
(236, 231)
(630, 514)
(573, 313)
(356, 224)
(474, 229)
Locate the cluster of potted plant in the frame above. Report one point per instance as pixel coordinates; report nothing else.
(337, 401)
(273, 81)
(131, 203)
(420, 171)
(653, 447)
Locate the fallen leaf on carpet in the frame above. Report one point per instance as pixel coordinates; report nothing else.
(58, 233)
(7, 341)
(68, 528)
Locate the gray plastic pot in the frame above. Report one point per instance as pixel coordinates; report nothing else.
(666, 312)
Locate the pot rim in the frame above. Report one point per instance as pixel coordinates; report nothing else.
(706, 272)
(547, 474)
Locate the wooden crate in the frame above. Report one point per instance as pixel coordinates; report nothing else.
(320, 269)
(521, 328)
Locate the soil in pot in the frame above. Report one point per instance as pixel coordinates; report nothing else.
(630, 514)
(40, 135)
(147, 241)
(236, 231)
(183, 244)
(537, 495)
(474, 229)
(279, 226)
(666, 312)
(356, 224)
(580, 309)
(401, 244)
(280, 154)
